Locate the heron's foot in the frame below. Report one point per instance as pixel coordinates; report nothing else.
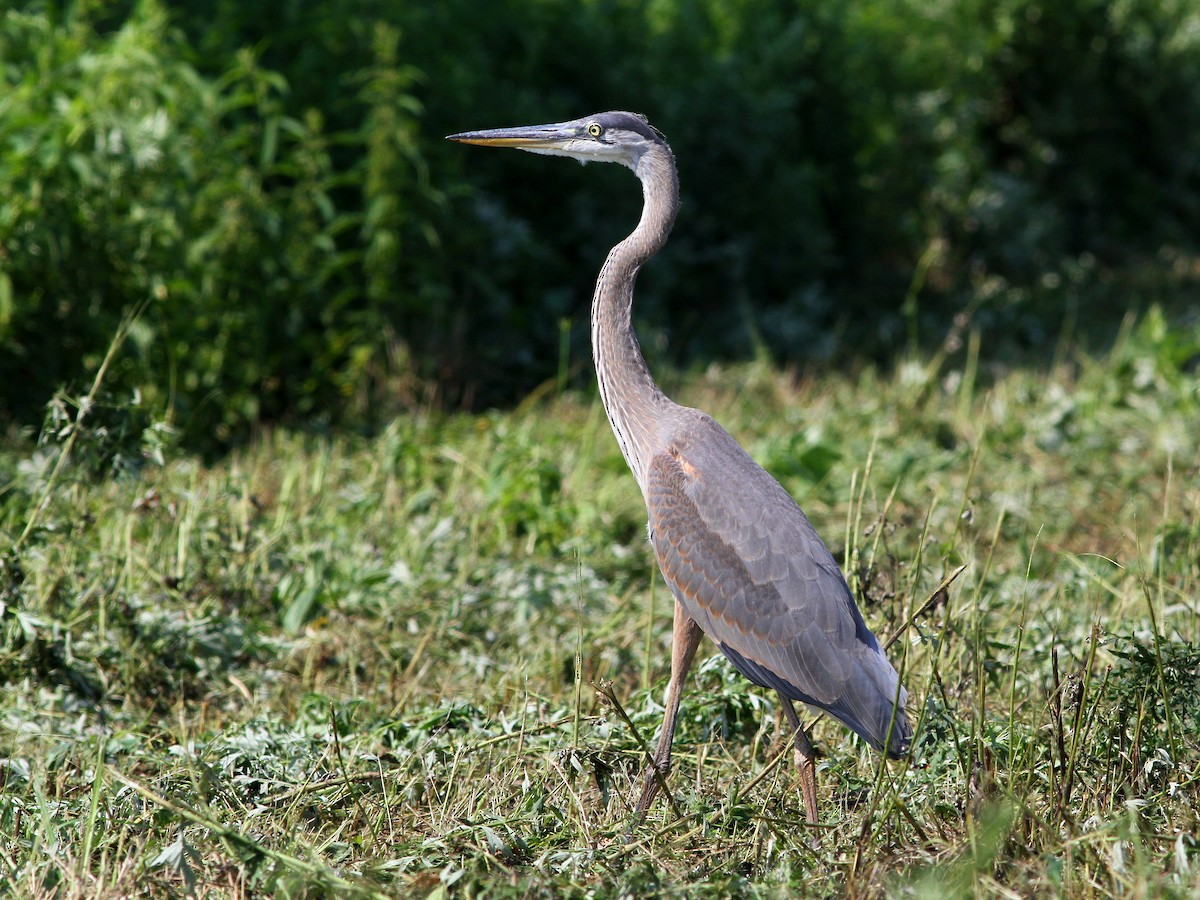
(806, 764)
(655, 773)
(806, 761)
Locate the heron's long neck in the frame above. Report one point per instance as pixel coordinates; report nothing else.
(632, 400)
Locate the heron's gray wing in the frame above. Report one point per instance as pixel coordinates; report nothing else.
(745, 563)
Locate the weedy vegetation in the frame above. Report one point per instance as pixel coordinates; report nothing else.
(427, 663)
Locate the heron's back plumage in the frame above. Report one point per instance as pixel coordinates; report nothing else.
(746, 564)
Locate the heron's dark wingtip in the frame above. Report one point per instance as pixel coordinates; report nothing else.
(900, 742)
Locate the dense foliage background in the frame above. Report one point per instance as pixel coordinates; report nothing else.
(266, 186)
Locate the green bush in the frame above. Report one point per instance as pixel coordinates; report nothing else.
(131, 180)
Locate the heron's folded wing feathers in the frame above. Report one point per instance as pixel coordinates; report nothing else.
(746, 564)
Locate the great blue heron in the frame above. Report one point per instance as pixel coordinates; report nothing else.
(744, 564)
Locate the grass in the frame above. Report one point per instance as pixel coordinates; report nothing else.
(426, 664)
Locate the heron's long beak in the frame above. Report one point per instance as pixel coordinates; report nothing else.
(525, 137)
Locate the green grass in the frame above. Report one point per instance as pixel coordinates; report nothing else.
(352, 667)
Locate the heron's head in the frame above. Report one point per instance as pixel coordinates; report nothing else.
(620, 137)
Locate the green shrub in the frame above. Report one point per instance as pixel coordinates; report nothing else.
(132, 179)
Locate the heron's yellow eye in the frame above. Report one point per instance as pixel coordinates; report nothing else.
(595, 129)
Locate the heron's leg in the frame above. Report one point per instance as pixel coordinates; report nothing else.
(685, 639)
(805, 761)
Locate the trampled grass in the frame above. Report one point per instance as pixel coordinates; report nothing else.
(354, 667)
